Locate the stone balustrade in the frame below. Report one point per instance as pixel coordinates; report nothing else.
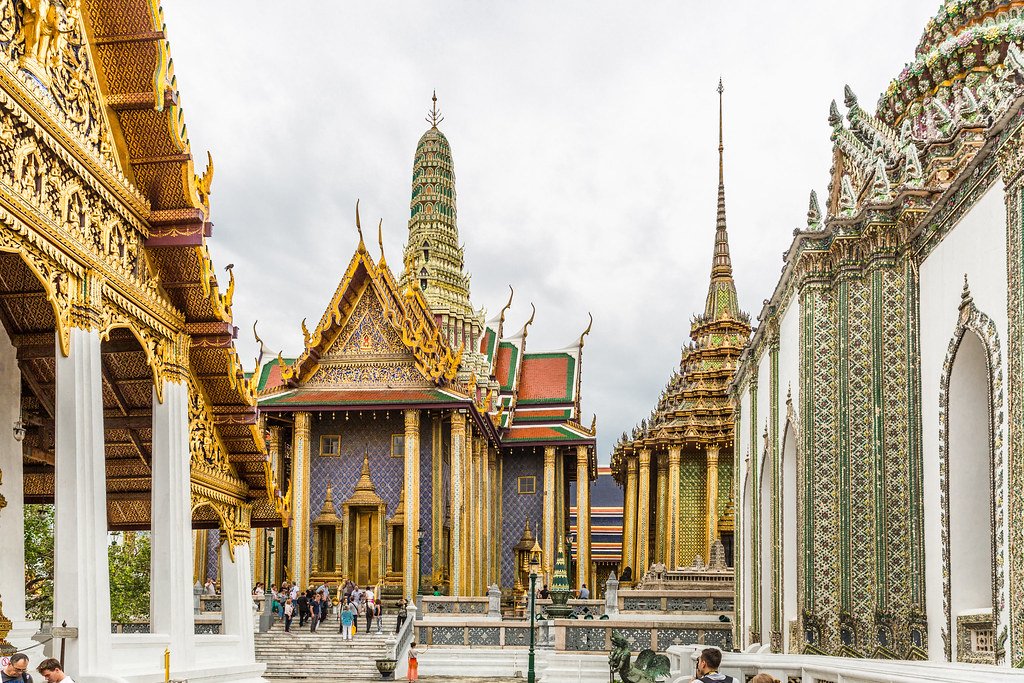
(474, 633)
(821, 669)
(440, 605)
(676, 601)
(641, 633)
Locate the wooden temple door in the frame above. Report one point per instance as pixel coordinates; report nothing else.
(366, 546)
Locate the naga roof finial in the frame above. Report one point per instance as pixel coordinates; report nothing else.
(359, 228)
(587, 331)
(435, 113)
(380, 238)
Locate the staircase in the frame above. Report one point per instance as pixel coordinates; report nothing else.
(323, 655)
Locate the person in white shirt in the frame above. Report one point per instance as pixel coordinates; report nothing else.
(52, 672)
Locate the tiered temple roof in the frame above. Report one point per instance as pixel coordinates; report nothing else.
(694, 409)
(527, 398)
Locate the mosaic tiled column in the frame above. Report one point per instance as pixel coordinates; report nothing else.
(711, 505)
(458, 445)
(496, 536)
(298, 547)
(437, 499)
(674, 553)
(629, 518)
(411, 561)
(661, 532)
(1011, 161)
(583, 575)
(478, 515)
(643, 515)
(549, 510)
(487, 519)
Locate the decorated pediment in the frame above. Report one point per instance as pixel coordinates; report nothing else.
(44, 40)
(373, 333)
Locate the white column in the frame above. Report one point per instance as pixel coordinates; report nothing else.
(171, 529)
(81, 577)
(12, 518)
(236, 601)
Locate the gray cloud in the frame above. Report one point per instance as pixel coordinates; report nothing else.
(584, 143)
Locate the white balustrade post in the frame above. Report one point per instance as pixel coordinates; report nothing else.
(611, 596)
(236, 600)
(171, 529)
(494, 602)
(81, 591)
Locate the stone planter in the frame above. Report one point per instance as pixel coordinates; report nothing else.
(386, 667)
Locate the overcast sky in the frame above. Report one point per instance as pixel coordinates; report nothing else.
(584, 139)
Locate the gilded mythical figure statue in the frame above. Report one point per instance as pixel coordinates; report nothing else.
(41, 22)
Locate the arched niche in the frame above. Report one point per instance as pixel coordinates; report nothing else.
(972, 485)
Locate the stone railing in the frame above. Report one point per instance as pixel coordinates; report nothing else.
(821, 669)
(581, 609)
(203, 625)
(474, 633)
(441, 605)
(641, 633)
(675, 601)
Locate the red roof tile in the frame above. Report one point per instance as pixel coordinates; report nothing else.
(547, 377)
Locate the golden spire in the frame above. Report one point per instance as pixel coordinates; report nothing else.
(722, 265)
(722, 300)
(435, 114)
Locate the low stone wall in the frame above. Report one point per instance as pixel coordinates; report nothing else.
(443, 604)
(676, 601)
(476, 633)
(596, 636)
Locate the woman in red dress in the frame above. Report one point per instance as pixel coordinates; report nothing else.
(414, 673)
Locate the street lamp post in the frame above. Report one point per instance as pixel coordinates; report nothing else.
(531, 674)
(419, 557)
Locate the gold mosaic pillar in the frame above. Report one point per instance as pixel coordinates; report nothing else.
(467, 502)
(629, 520)
(458, 446)
(437, 518)
(661, 537)
(674, 553)
(643, 517)
(496, 538)
(478, 515)
(298, 546)
(712, 501)
(486, 524)
(583, 573)
(411, 561)
(549, 511)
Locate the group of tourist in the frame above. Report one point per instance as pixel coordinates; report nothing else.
(315, 604)
(16, 670)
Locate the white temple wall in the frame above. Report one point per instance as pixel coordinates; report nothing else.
(975, 247)
(789, 386)
(12, 517)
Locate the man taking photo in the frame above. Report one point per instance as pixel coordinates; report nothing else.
(707, 667)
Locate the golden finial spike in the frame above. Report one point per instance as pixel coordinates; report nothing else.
(435, 113)
(380, 237)
(359, 227)
(587, 331)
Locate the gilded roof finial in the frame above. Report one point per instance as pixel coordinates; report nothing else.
(359, 227)
(435, 113)
(722, 264)
(380, 239)
(587, 331)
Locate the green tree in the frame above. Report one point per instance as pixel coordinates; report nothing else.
(39, 561)
(129, 577)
